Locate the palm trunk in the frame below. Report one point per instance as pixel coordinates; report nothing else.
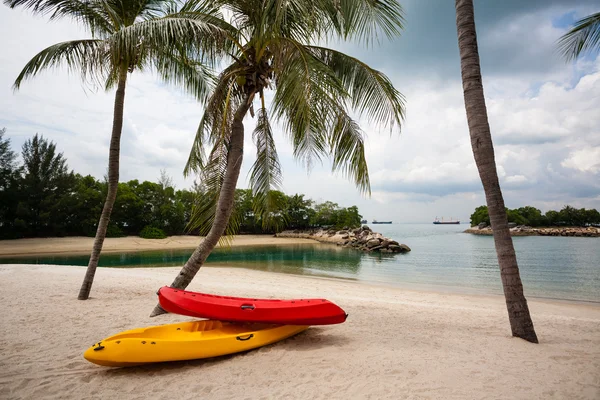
(483, 150)
(224, 206)
(113, 183)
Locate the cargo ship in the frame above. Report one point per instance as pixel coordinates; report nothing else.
(381, 222)
(442, 222)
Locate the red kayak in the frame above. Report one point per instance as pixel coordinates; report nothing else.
(286, 312)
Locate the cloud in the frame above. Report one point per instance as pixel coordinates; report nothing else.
(584, 160)
(543, 115)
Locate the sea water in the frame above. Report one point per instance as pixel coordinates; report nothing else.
(443, 258)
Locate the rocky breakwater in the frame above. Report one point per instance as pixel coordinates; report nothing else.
(523, 230)
(362, 238)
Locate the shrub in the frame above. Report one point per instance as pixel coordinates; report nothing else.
(150, 232)
(113, 231)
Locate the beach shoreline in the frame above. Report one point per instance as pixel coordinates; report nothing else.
(75, 245)
(396, 343)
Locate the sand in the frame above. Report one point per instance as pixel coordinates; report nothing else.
(395, 344)
(83, 245)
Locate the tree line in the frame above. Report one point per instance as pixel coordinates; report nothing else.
(531, 216)
(40, 197)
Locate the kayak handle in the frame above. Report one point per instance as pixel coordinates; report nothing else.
(244, 339)
(247, 307)
(100, 347)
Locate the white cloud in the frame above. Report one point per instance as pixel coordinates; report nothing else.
(584, 160)
(516, 179)
(545, 125)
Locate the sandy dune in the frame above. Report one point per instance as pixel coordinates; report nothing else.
(396, 343)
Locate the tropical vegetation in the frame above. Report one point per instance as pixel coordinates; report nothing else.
(583, 38)
(483, 151)
(316, 91)
(531, 216)
(174, 40)
(41, 197)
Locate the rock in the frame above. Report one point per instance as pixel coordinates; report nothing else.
(512, 225)
(373, 243)
(405, 247)
(482, 225)
(363, 239)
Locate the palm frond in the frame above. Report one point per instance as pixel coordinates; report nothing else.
(265, 174)
(348, 149)
(203, 35)
(268, 209)
(211, 181)
(584, 37)
(216, 120)
(362, 19)
(371, 93)
(88, 57)
(92, 14)
(175, 67)
(307, 96)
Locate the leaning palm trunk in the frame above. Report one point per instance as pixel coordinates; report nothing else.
(224, 205)
(113, 183)
(483, 151)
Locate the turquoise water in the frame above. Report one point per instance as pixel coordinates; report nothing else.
(442, 258)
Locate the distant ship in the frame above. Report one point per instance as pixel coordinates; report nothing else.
(363, 221)
(381, 222)
(442, 222)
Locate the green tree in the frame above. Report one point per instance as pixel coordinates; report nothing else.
(483, 151)
(299, 212)
(85, 204)
(10, 176)
(127, 36)
(46, 180)
(583, 38)
(592, 217)
(532, 216)
(480, 215)
(315, 88)
(552, 217)
(326, 214)
(350, 218)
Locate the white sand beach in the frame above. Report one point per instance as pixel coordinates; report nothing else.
(83, 245)
(395, 344)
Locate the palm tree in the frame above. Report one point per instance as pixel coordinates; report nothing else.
(163, 36)
(483, 150)
(314, 89)
(584, 37)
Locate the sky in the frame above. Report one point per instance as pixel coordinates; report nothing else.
(544, 114)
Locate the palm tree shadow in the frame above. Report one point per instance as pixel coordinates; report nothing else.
(311, 339)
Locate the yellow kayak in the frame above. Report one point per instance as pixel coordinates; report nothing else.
(185, 341)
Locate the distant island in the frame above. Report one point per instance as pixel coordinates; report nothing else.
(529, 221)
(522, 230)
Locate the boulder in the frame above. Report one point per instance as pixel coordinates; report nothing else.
(373, 243)
(482, 225)
(512, 225)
